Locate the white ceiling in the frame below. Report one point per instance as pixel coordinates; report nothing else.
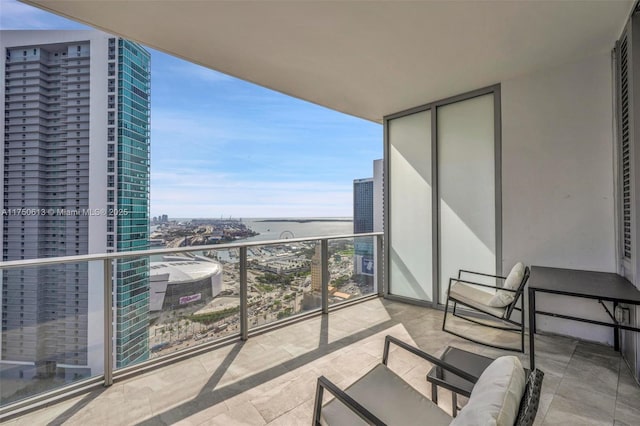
(368, 59)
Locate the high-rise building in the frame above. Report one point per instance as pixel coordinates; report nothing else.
(362, 223)
(378, 195)
(316, 270)
(76, 181)
(362, 205)
(367, 217)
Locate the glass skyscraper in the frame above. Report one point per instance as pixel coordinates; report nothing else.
(132, 286)
(363, 216)
(362, 223)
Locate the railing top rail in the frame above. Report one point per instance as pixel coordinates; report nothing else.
(44, 261)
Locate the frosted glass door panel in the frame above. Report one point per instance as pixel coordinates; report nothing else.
(466, 179)
(410, 247)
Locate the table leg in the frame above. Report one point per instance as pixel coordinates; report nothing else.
(454, 403)
(532, 328)
(616, 330)
(434, 393)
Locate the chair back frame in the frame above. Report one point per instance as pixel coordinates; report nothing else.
(527, 408)
(506, 316)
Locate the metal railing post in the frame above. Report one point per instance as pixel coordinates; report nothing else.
(244, 314)
(379, 265)
(108, 321)
(324, 265)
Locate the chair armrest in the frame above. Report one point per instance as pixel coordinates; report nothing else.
(479, 273)
(483, 285)
(432, 359)
(350, 403)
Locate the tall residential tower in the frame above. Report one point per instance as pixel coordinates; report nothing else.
(367, 217)
(76, 181)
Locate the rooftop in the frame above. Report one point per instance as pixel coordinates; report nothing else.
(271, 378)
(185, 270)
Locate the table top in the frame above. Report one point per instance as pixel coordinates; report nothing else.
(470, 362)
(588, 284)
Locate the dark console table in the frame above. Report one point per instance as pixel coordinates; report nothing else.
(601, 286)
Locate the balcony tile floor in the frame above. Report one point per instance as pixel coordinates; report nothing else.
(271, 378)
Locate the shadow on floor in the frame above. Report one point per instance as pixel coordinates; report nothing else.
(76, 408)
(210, 396)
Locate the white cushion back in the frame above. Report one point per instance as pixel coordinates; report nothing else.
(515, 276)
(503, 298)
(495, 398)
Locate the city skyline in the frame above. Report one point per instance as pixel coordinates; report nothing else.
(221, 146)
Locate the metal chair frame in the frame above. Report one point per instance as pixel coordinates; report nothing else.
(518, 327)
(526, 411)
(353, 405)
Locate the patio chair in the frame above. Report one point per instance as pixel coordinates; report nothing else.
(500, 305)
(501, 395)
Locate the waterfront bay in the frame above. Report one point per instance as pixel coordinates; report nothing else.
(273, 228)
(301, 227)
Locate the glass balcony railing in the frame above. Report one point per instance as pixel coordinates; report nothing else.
(53, 328)
(352, 271)
(78, 321)
(282, 281)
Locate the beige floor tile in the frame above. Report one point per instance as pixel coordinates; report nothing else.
(271, 378)
(628, 414)
(248, 416)
(300, 415)
(277, 401)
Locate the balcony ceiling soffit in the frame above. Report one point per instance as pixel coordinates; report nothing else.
(367, 59)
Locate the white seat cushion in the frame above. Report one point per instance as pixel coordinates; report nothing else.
(475, 298)
(495, 398)
(389, 398)
(504, 298)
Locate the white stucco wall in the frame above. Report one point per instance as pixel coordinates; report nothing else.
(557, 177)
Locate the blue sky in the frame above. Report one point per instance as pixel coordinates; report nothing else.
(222, 146)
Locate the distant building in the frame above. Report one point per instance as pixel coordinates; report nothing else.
(177, 282)
(362, 205)
(281, 265)
(363, 223)
(316, 270)
(76, 150)
(158, 220)
(378, 195)
(368, 210)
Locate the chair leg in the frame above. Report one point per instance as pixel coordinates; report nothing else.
(317, 406)
(454, 403)
(446, 310)
(522, 333)
(434, 393)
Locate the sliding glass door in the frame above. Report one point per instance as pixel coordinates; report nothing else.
(443, 209)
(410, 194)
(466, 188)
